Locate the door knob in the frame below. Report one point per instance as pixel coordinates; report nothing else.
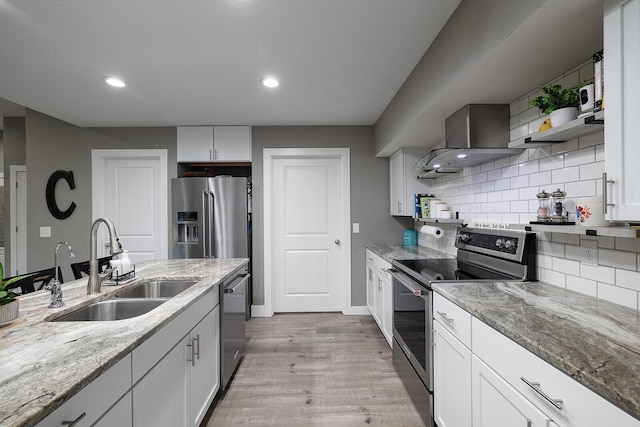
(337, 242)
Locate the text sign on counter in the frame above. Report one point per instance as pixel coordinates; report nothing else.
(493, 225)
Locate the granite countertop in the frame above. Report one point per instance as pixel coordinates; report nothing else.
(391, 252)
(595, 342)
(43, 364)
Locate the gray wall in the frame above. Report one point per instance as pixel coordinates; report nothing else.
(369, 194)
(51, 145)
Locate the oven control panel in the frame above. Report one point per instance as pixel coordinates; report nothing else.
(496, 241)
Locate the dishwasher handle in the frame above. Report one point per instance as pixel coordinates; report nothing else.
(236, 284)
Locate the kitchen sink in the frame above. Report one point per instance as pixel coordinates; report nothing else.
(112, 309)
(157, 289)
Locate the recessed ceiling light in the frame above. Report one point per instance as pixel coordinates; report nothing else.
(270, 82)
(114, 81)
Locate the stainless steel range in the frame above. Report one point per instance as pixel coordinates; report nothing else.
(483, 255)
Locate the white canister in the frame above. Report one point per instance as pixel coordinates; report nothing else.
(590, 212)
(439, 208)
(432, 208)
(445, 213)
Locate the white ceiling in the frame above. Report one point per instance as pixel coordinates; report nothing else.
(197, 62)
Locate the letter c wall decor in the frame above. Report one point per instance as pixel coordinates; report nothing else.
(51, 194)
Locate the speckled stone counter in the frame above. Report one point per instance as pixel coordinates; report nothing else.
(43, 364)
(595, 342)
(391, 252)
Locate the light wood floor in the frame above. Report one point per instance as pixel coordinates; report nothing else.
(320, 369)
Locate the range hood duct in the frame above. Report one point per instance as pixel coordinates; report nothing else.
(475, 134)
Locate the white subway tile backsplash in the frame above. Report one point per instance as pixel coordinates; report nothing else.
(628, 244)
(529, 115)
(592, 171)
(569, 239)
(519, 206)
(618, 295)
(541, 178)
(551, 249)
(566, 266)
(599, 273)
(500, 163)
(628, 279)
(592, 139)
(618, 259)
(551, 163)
(582, 285)
(580, 157)
(552, 277)
(565, 147)
(503, 184)
(511, 195)
(519, 106)
(520, 181)
(560, 176)
(510, 171)
(579, 189)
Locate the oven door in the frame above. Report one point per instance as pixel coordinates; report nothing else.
(412, 324)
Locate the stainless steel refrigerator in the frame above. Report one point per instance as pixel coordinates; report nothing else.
(211, 218)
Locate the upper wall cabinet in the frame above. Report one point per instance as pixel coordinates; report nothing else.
(622, 106)
(403, 181)
(214, 144)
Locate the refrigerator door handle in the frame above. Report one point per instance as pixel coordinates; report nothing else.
(205, 221)
(210, 214)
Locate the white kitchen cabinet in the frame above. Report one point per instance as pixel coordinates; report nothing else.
(119, 415)
(621, 95)
(204, 374)
(232, 143)
(567, 403)
(85, 408)
(403, 182)
(452, 364)
(161, 397)
(497, 404)
(451, 380)
(379, 294)
(176, 372)
(214, 144)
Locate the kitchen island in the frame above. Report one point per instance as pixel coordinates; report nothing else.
(45, 363)
(595, 342)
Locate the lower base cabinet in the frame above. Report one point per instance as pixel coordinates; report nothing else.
(497, 404)
(451, 381)
(379, 294)
(179, 389)
(169, 380)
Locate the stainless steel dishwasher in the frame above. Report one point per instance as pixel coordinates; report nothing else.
(233, 295)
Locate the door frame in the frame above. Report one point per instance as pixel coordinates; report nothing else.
(13, 217)
(269, 156)
(99, 160)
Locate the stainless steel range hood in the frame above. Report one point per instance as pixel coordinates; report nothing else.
(475, 134)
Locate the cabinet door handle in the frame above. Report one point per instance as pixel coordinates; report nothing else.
(606, 181)
(210, 154)
(74, 422)
(196, 340)
(536, 387)
(449, 320)
(193, 356)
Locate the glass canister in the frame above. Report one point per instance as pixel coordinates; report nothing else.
(543, 206)
(558, 208)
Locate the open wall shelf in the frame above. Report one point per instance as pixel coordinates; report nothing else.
(574, 129)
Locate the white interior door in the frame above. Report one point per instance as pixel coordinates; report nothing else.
(130, 188)
(309, 204)
(18, 220)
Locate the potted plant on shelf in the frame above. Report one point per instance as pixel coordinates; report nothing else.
(8, 300)
(561, 104)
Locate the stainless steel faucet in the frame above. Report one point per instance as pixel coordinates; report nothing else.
(95, 278)
(54, 285)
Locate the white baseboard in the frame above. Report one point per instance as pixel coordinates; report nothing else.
(356, 310)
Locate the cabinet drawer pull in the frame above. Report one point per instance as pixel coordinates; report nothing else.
(449, 320)
(197, 345)
(536, 387)
(74, 422)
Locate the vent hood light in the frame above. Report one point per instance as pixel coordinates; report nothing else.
(114, 81)
(436, 166)
(462, 156)
(270, 82)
